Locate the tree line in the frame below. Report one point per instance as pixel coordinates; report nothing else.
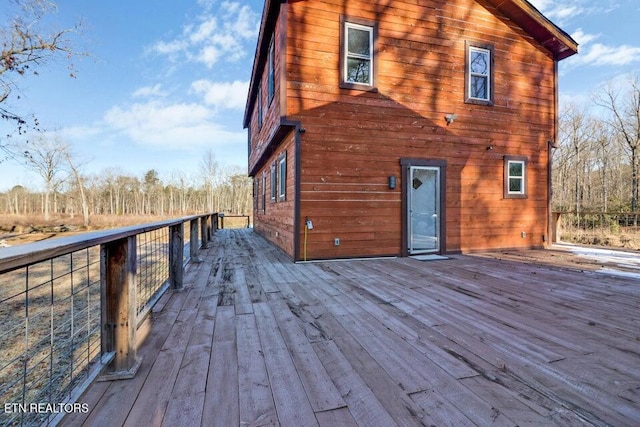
(595, 167)
(68, 191)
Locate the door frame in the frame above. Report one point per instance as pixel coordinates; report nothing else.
(405, 165)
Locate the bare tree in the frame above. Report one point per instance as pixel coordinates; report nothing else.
(623, 106)
(575, 136)
(210, 170)
(46, 157)
(74, 166)
(27, 45)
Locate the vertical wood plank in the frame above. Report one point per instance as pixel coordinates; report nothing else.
(119, 306)
(291, 401)
(256, 399)
(204, 235)
(194, 251)
(221, 406)
(176, 265)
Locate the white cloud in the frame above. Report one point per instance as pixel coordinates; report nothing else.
(216, 35)
(600, 54)
(583, 38)
(561, 12)
(203, 31)
(170, 126)
(149, 91)
(170, 47)
(222, 95)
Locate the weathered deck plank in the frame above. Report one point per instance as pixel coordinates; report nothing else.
(221, 406)
(258, 340)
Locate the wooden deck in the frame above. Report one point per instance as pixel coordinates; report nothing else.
(257, 340)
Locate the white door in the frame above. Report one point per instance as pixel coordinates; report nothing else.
(424, 209)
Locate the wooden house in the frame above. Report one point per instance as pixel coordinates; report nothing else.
(403, 127)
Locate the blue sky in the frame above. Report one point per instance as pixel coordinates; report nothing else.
(166, 80)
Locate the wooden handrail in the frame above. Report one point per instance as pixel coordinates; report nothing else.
(14, 257)
(120, 312)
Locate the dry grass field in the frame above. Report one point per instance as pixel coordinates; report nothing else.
(21, 229)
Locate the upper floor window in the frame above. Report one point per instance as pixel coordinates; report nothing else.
(515, 177)
(249, 139)
(357, 58)
(479, 74)
(259, 102)
(272, 71)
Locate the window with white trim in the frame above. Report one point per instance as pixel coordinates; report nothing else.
(264, 192)
(259, 102)
(272, 71)
(479, 74)
(358, 53)
(282, 176)
(515, 177)
(273, 182)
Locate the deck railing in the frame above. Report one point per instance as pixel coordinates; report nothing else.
(234, 221)
(70, 310)
(615, 229)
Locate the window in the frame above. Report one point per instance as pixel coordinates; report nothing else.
(256, 191)
(273, 182)
(272, 70)
(357, 58)
(282, 176)
(479, 75)
(249, 140)
(264, 192)
(259, 102)
(515, 177)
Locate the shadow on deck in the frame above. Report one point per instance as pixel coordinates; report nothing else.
(257, 340)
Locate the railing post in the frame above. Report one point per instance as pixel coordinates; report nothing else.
(194, 252)
(119, 317)
(555, 227)
(176, 250)
(204, 236)
(209, 226)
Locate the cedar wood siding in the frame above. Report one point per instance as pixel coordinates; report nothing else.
(271, 112)
(276, 224)
(274, 221)
(355, 140)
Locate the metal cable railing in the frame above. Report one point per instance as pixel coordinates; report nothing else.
(58, 302)
(152, 265)
(615, 229)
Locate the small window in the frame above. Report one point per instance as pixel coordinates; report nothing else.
(479, 75)
(273, 182)
(272, 71)
(259, 102)
(249, 139)
(357, 54)
(256, 191)
(282, 176)
(264, 192)
(515, 177)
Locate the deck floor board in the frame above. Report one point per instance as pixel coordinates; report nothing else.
(255, 339)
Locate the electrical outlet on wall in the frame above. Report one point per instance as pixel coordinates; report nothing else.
(336, 241)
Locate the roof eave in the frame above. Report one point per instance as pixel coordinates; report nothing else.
(269, 17)
(530, 19)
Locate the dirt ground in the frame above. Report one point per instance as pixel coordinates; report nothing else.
(575, 257)
(22, 229)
